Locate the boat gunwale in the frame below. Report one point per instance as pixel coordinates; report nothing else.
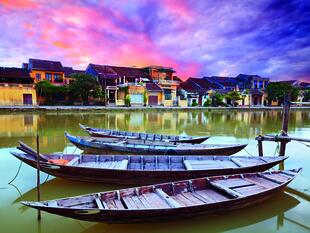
(208, 179)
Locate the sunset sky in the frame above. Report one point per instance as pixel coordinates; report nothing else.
(195, 37)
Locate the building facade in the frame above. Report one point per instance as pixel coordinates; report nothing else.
(16, 87)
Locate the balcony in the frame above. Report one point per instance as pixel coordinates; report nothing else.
(166, 82)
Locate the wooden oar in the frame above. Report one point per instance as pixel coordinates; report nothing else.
(24, 147)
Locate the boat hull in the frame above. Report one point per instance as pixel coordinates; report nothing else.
(161, 215)
(135, 177)
(103, 148)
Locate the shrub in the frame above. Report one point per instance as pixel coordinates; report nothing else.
(207, 103)
(127, 101)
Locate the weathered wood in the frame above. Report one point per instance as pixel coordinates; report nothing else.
(149, 206)
(188, 165)
(237, 162)
(99, 203)
(103, 170)
(260, 148)
(73, 162)
(285, 121)
(171, 202)
(38, 174)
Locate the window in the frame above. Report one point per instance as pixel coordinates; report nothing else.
(48, 77)
(38, 77)
(260, 84)
(255, 84)
(58, 78)
(167, 94)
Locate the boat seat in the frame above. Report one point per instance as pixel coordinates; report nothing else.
(73, 162)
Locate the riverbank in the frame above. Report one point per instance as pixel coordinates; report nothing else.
(138, 108)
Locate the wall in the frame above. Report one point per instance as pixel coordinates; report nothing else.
(12, 94)
(42, 73)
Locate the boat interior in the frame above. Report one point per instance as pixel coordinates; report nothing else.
(194, 192)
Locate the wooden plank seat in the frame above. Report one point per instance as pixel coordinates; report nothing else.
(73, 161)
(210, 196)
(119, 165)
(201, 164)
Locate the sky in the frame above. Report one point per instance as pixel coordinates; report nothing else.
(197, 38)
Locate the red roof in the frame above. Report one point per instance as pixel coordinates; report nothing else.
(153, 87)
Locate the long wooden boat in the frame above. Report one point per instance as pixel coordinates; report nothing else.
(99, 146)
(140, 170)
(108, 133)
(175, 200)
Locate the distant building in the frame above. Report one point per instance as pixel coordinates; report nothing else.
(196, 90)
(51, 71)
(70, 71)
(113, 77)
(16, 87)
(163, 76)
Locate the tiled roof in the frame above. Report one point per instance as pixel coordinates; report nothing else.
(79, 71)
(153, 87)
(12, 72)
(15, 75)
(68, 71)
(189, 87)
(203, 83)
(120, 71)
(37, 64)
(129, 72)
(225, 81)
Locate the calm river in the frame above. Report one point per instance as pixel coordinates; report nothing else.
(289, 212)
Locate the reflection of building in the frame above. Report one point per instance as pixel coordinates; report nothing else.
(18, 125)
(16, 87)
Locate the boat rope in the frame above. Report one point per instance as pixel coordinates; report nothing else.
(46, 178)
(20, 165)
(305, 144)
(248, 152)
(277, 149)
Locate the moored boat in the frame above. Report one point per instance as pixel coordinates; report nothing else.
(139, 170)
(108, 133)
(175, 200)
(99, 146)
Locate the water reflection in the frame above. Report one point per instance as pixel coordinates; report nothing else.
(51, 126)
(277, 214)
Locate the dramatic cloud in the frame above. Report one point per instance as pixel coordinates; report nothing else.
(197, 38)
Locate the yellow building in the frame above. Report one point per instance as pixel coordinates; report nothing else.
(163, 76)
(16, 87)
(40, 70)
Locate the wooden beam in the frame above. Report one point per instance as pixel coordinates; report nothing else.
(285, 121)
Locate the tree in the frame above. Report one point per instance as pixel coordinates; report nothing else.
(83, 86)
(233, 96)
(217, 99)
(277, 90)
(45, 90)
(306, 96)
(144, 98)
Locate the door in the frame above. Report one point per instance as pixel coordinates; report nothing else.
(27, 99)
(153, 100)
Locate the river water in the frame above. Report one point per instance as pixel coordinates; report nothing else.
(288, 212)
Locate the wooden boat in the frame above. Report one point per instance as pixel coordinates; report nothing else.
(168, 201)
(107, 133)
(139, 170)
(100, 145)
